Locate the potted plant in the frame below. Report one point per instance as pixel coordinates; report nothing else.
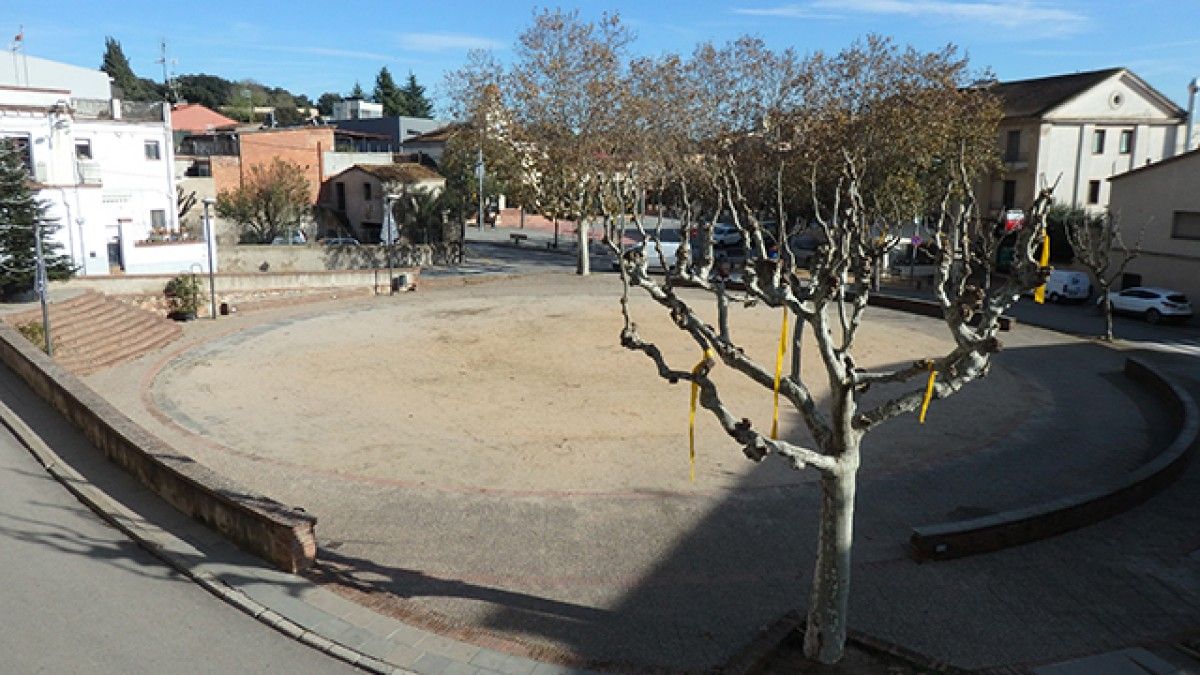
(183, 296)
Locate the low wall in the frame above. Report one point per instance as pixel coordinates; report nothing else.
(227, 283)
(321, 258)
(1020, 526)
(281, 535)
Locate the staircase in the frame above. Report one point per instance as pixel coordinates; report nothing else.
(92, 331)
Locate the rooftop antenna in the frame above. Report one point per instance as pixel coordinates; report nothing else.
(168, 80)
(18, 47)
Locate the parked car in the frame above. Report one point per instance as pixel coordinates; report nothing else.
(670, 243)
(1067, 285)
(1151, 303)
(296, 238)
(340, 241)
(725, 234)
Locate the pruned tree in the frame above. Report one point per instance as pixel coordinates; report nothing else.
(877, 135)
(272, 202)
(185, 201)
(1095, 241)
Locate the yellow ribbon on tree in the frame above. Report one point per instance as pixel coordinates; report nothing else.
(1039, 294)
(783, 331)
(708, 354)
(928, 392)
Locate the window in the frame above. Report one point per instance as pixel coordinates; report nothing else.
(367, 191)
(83, 148)
(21, 145)
(152, 151)
(1098, 142)
(1126, 144)
(340, 189)
(1093, 192)
(1010, 194)
(1012, 146)
(158, 219)
(1186, 225)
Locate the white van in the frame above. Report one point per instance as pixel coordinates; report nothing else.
(1068, 285)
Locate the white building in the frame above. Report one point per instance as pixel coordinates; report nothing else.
(1080, 130)
(357, 109)
(105, 168)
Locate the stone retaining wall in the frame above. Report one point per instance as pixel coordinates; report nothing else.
(283, 536)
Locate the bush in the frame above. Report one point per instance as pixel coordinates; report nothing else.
(183, 296)
(35, 333)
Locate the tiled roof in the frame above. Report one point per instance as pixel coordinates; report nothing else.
(197, 118)
(441, 134)
(1033, 98)
(400, 173)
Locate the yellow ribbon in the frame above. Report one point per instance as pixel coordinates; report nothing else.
(779, 373)
(708, 354)
(928, 392)
(1039, 295)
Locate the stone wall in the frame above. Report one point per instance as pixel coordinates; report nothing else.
(320, 258)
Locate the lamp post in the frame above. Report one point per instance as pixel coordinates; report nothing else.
(208, 243)
(40, 283)
(479, 171)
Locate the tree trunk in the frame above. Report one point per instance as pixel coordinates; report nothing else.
(583, 265)
(1106, 307)
(825, 634)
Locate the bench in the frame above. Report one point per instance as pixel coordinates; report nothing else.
(517, 238)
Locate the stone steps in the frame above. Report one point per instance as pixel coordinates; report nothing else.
(92, 332)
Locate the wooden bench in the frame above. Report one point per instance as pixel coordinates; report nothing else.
(517, 238)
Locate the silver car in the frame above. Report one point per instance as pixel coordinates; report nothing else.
(1151, 303)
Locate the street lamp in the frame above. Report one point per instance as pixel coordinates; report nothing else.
(40, 284)
(208, 243)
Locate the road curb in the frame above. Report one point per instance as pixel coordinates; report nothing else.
(152, 539)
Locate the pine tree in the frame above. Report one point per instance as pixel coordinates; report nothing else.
(357, 92)
(415, 103)
(20, 213)
(118, 68)
(387, 93)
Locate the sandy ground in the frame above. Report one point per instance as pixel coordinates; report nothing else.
(519, 387)
(488, 460)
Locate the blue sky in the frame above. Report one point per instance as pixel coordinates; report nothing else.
(313, 47)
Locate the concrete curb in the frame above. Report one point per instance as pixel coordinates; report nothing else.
(155, 540)
(944, 541)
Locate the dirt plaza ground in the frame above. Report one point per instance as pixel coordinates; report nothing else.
(489, 461)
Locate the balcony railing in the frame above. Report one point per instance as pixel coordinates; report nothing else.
(88, 172)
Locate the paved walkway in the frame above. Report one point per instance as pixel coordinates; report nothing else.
(78, 596)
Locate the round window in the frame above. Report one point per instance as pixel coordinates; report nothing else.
(1115, 99)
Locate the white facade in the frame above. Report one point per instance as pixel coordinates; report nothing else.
(109, 182)
(1115, 125)
(357, 109)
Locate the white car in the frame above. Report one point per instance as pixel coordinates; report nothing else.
(1151, 303)
(670, 251)
(725, 234)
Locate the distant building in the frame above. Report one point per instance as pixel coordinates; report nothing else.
(356, 109)
(352, 202)
(103, 166)
(1079, 130)
(1161, 202)
(399, 129)
(431, 145)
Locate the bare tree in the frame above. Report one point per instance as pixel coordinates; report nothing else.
(566, 90)
(839, 120)
(1095, 241)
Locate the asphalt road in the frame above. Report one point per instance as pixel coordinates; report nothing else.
(77, 596)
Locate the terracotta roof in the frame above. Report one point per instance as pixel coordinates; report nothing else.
(399, 173)
(197, 118)
(1033, 98)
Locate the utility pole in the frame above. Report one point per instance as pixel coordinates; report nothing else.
(40, 283)
(168, 81)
